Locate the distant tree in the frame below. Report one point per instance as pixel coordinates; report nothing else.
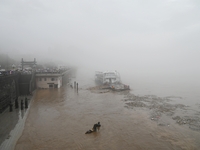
(6, 62)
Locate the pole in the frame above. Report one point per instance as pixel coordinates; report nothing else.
(16, 103)
(22, 105)
(77, 87)
(26, 102)
(11, 107)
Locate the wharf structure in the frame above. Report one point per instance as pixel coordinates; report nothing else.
(51, 79)
(22, 83)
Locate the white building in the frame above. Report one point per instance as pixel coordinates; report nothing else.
(49, 80)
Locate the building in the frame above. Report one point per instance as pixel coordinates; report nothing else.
(49, 79)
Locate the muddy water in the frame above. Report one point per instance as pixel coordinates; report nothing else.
(59, 118)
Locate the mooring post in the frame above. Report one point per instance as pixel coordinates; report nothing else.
(22, 104)
(11, 107)
(16, 103)
(77, 87)
(74, 84)
(22, 64)
(26, 102)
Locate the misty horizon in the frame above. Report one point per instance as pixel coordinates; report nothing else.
(143, 40)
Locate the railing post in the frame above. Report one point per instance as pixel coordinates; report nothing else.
(26, 102)
(22, 104)
(11, 107)
(16, 103)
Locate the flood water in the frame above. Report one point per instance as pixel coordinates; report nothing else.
(59, 118)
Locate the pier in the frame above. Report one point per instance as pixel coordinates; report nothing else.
(22, 83)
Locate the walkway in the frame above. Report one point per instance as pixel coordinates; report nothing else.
(11, 125)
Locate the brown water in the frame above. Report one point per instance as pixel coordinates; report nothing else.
(59, 118)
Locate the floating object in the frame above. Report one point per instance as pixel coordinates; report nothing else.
(111, 79)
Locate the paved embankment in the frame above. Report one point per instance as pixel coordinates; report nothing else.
(12, 125)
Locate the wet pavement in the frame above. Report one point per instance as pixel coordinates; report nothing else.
(12, 125)
(59, 118)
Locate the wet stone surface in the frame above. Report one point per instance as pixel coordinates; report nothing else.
(160, 107)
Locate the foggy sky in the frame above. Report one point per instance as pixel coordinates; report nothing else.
(157, 38)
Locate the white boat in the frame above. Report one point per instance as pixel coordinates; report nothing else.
(107, 77)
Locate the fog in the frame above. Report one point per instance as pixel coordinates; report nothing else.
(146, 41)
